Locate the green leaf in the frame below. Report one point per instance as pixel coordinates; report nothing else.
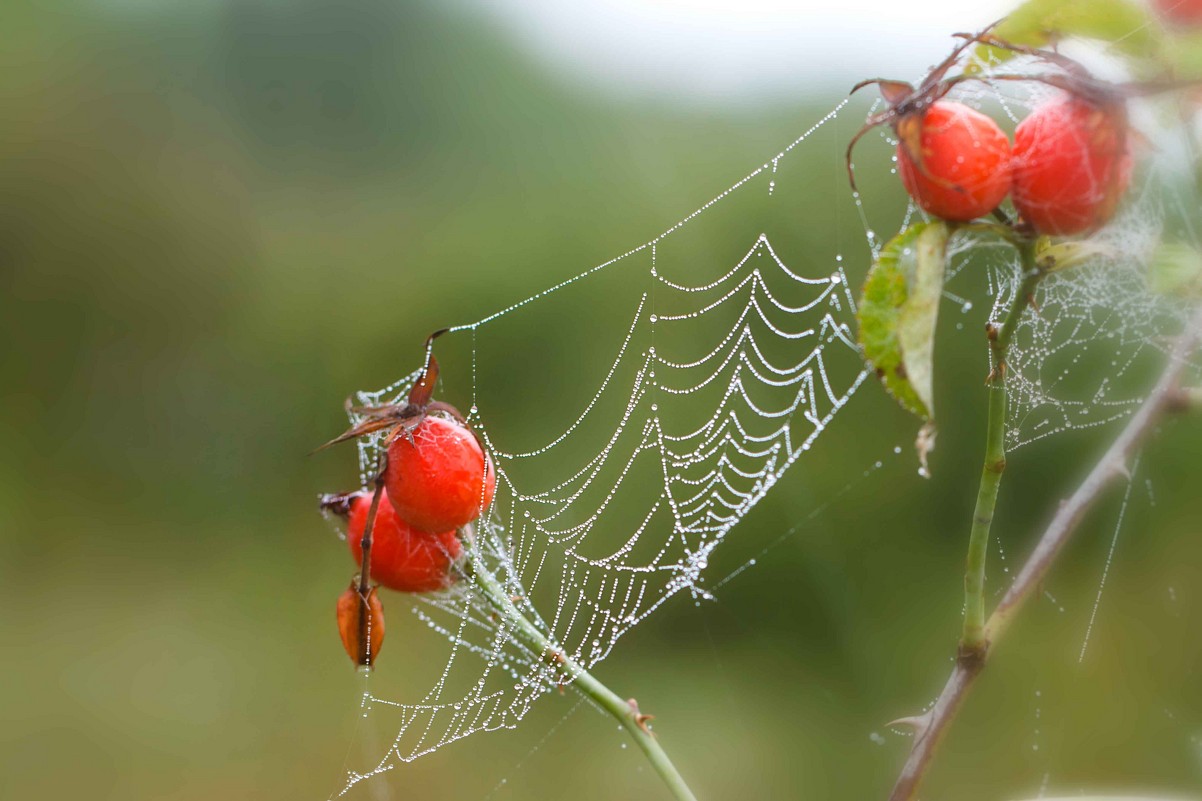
(1176, 269)
(1183, 53)
(1123, 23)
(1053, 257)
(899, 307)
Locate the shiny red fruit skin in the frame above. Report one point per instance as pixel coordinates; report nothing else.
(435, 482)
(965, 171)
(1187, 13)
(402, 558)
(1071, 166)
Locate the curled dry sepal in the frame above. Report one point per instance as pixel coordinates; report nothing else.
(906, 107)
(361, 624)
(403, 418)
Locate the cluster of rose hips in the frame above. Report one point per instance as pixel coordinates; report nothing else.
(434, 479)
(1066, 172)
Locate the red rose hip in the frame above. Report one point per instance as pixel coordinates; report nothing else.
(1071, 165)
(957, 167)
(441, 479)
(1185, 13)
(402, 557)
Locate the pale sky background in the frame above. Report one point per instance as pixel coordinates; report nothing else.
(738, 49)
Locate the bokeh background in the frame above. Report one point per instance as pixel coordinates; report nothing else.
(219, 218)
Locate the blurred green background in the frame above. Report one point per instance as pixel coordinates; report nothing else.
(217, 219)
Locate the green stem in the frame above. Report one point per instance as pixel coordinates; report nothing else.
(625, 712)
(973, 641)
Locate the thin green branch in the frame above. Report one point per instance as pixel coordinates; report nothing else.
(626, 712)
(972, 641)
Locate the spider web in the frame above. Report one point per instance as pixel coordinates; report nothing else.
(1096, 334)
(727, 367)
(727, 351)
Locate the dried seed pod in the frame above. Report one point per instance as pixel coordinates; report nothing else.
(361, 624)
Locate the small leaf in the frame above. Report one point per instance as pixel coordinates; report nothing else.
(1176, 269)
(899, 306)
(1038, 23)
(1051, 258)
(1183, 51)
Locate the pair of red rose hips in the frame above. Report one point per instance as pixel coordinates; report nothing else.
(1066, 173)
(437, 480)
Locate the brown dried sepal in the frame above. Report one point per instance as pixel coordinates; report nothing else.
(402, 419)
(906, 105)
(361, 624)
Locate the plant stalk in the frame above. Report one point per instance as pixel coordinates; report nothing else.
(626, 712)
(931, 726)
(972, 641)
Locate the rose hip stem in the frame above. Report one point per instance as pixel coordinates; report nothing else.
(626, 712)
(365, 569)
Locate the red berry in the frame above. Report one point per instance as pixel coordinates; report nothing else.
(440, 480)
(1187, 13)
(402, 558)
(958, 165)
(1071, 165)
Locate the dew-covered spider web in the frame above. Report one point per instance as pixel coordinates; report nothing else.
(701, 366)
(725, 358)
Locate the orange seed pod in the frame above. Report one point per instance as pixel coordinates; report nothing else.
(361, 624)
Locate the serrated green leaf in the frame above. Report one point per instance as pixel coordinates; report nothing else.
(1176, 269)
(1123, 23)
(899, 306)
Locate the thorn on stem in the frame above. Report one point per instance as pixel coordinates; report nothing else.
(915, 723)
(1034, 304)
(640, 718)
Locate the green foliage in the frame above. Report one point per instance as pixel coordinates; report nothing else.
(1176, 269)
(1042, 22)
(899, 307)
(1052, 256)
(1183, 53)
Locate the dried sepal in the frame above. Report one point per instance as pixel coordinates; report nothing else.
(338, 503)
(402, 419)
(423, 391)
(361, 624)
(907, 104)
